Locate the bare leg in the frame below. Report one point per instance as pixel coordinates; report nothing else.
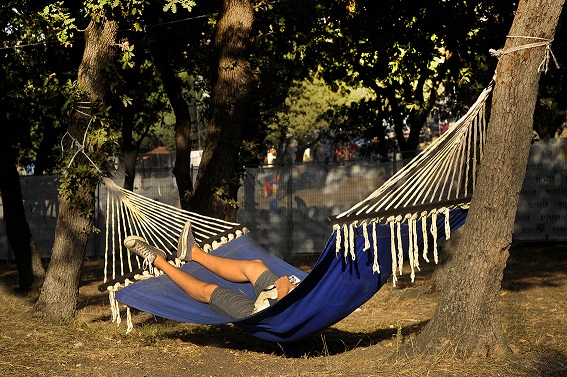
(230, 269)
(197, 289)
(234, 270)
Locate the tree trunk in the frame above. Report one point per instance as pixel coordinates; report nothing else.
(218, 179)
(466, 319)
(59, 297)
(173, 89)
(129, 148)
(130, 156)
(28, 260)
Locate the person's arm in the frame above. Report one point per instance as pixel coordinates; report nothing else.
(283, 286)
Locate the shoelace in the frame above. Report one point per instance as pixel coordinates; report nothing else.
(148, 256)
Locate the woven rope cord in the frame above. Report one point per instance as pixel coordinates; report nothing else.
(129, 213)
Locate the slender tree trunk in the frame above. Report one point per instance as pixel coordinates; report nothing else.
(28, 260)
(129, 148)
(466, 319)
(218, 179)
(59, 297)
(43, 160)
(130, 156)
(173, 89)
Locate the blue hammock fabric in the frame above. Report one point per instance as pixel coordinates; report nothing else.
(334, 288)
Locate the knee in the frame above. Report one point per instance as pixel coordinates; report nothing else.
(257, 266)
(258, 263)
(207, 292)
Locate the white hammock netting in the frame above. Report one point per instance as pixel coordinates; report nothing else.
(159, 223)
(441, 177)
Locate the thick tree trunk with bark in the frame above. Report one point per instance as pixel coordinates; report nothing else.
(59, 297)
(28, 259)
(218, 179)
(466, 320)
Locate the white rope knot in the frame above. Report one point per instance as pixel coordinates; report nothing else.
(376, 265)
(337, 229)
(446, 213)
(81, 147)
(544, 65)
(424, 235)
(496, 53)
(400, 244)
(434, 234)
(347, 237)
(413, 246)
(393, 249)
(351, 240)
(365, 234)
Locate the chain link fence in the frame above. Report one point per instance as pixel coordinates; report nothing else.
(285, 206)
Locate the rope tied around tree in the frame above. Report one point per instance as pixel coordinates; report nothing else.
(81, 146)
(544, 65)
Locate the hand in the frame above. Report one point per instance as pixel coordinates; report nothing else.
(283, 286)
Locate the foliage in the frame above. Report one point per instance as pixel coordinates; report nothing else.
(413, 58)
(312, 112)
(282, 32)
(61, 21)
(84, 157)
(172, 5)
(34, 79)
(409, 55)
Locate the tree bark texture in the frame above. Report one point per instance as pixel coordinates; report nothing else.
(28, 259)
(218, 179)
(59, 297)
(466, 319)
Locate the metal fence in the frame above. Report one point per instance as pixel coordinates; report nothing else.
(285, 206)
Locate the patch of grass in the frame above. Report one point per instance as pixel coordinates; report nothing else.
(366, 343)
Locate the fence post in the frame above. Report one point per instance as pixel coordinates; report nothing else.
(289, 192)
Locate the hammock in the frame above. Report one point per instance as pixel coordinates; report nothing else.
(409, 214)
(334, 288)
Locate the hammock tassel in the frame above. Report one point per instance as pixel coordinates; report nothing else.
(390, 221)
(434, 234)
(447, 225)
(400, 245)
(376, 265)
(351, 240)
(114, 309)
(129, 323)
(346, 235)
(411, 246)
(425, 235)
(365, 234)
(415, 241)
(337, 229)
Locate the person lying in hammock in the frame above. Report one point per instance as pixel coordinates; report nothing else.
(268, 287)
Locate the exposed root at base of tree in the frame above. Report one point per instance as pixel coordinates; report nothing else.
(461, 346)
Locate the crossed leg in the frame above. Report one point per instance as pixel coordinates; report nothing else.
(234, 270)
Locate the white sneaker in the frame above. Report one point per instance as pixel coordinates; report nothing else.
(186, 243)
(140, 246)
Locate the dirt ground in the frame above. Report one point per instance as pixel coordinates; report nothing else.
(533, 312)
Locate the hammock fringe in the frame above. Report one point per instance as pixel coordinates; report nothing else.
(437, 181)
